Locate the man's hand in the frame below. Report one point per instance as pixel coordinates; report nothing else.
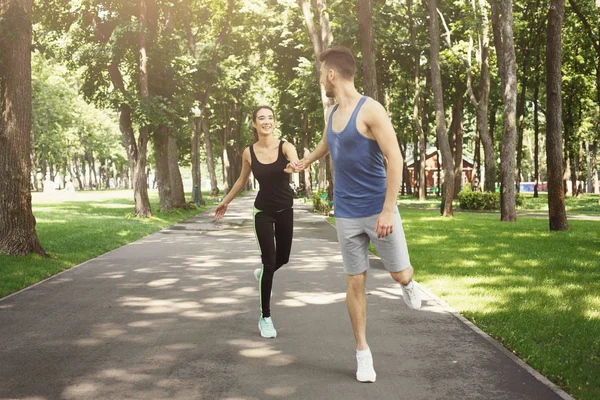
(301, 165)
(385, 224)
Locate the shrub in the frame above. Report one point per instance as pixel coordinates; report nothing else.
(520, 200)
(479, 200)
(321, 203)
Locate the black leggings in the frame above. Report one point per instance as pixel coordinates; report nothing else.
(274, 232)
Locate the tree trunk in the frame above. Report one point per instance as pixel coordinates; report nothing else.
(177, 191)
(440, 118)
(594, 170)
(306, 140)
(199, 122)
(321, 39)
(536, 125)
(508, 209)
(588, 163)
(521, 122)
(423, 140)
(367, 48)
(161, 144)
(481, 105)
(140, 181)
(456, 133)
(196, 170)
(556, 194)
(18, 235)
(593, 36)
(210, 158)
(482, 102)
(498, 38)
(32, 157)
(420, 146)
(476, 176)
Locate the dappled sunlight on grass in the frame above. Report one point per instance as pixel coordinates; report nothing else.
(518, 282)
(593, 308)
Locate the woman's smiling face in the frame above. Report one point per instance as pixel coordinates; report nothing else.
(264, 122)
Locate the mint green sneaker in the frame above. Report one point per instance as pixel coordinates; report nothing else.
(258, 274)
(267, 330)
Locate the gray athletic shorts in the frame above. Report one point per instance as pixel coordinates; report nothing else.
(354, 235)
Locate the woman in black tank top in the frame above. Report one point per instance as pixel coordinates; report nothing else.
(271, 161)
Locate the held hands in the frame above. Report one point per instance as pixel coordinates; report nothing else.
(297, 166)
(221, 210)
(385, 224)
(291, 168)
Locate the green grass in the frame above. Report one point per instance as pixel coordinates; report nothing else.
(587, 204)
(535, 291)
(80, 227)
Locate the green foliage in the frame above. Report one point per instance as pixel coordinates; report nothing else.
(63, 124)
(470, 200)
(321, 203)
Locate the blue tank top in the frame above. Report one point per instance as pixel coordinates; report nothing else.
(359, 171)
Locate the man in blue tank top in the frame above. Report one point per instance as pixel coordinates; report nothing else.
(359, 136)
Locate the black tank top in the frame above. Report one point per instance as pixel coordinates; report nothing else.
(275, 193)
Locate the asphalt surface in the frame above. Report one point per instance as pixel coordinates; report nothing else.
(174, 316)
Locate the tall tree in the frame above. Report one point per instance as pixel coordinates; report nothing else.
(420, 147)
(321, 38)
(592, 35)
(440, 118)
(17, 223)
(505, 48)
(140, 184)
(481, 100)
(367, 48)
(200, 121)
(556, 194)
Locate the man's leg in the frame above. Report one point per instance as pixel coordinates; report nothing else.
(393, 251)
(403, 277)
(357, 308)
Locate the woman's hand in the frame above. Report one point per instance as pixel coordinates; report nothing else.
(292, 168)
(221, 210)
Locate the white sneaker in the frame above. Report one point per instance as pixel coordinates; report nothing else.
(364, 369)
(411, 295)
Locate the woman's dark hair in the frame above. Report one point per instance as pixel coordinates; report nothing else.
(254, 113)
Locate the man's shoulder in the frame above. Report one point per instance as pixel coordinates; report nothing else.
(371, 111)
(371, 104)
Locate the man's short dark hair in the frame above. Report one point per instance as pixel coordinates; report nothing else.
(340, 59)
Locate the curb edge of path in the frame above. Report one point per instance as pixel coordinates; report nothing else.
(560, 392)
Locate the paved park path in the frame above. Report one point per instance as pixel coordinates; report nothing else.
(174, 316)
